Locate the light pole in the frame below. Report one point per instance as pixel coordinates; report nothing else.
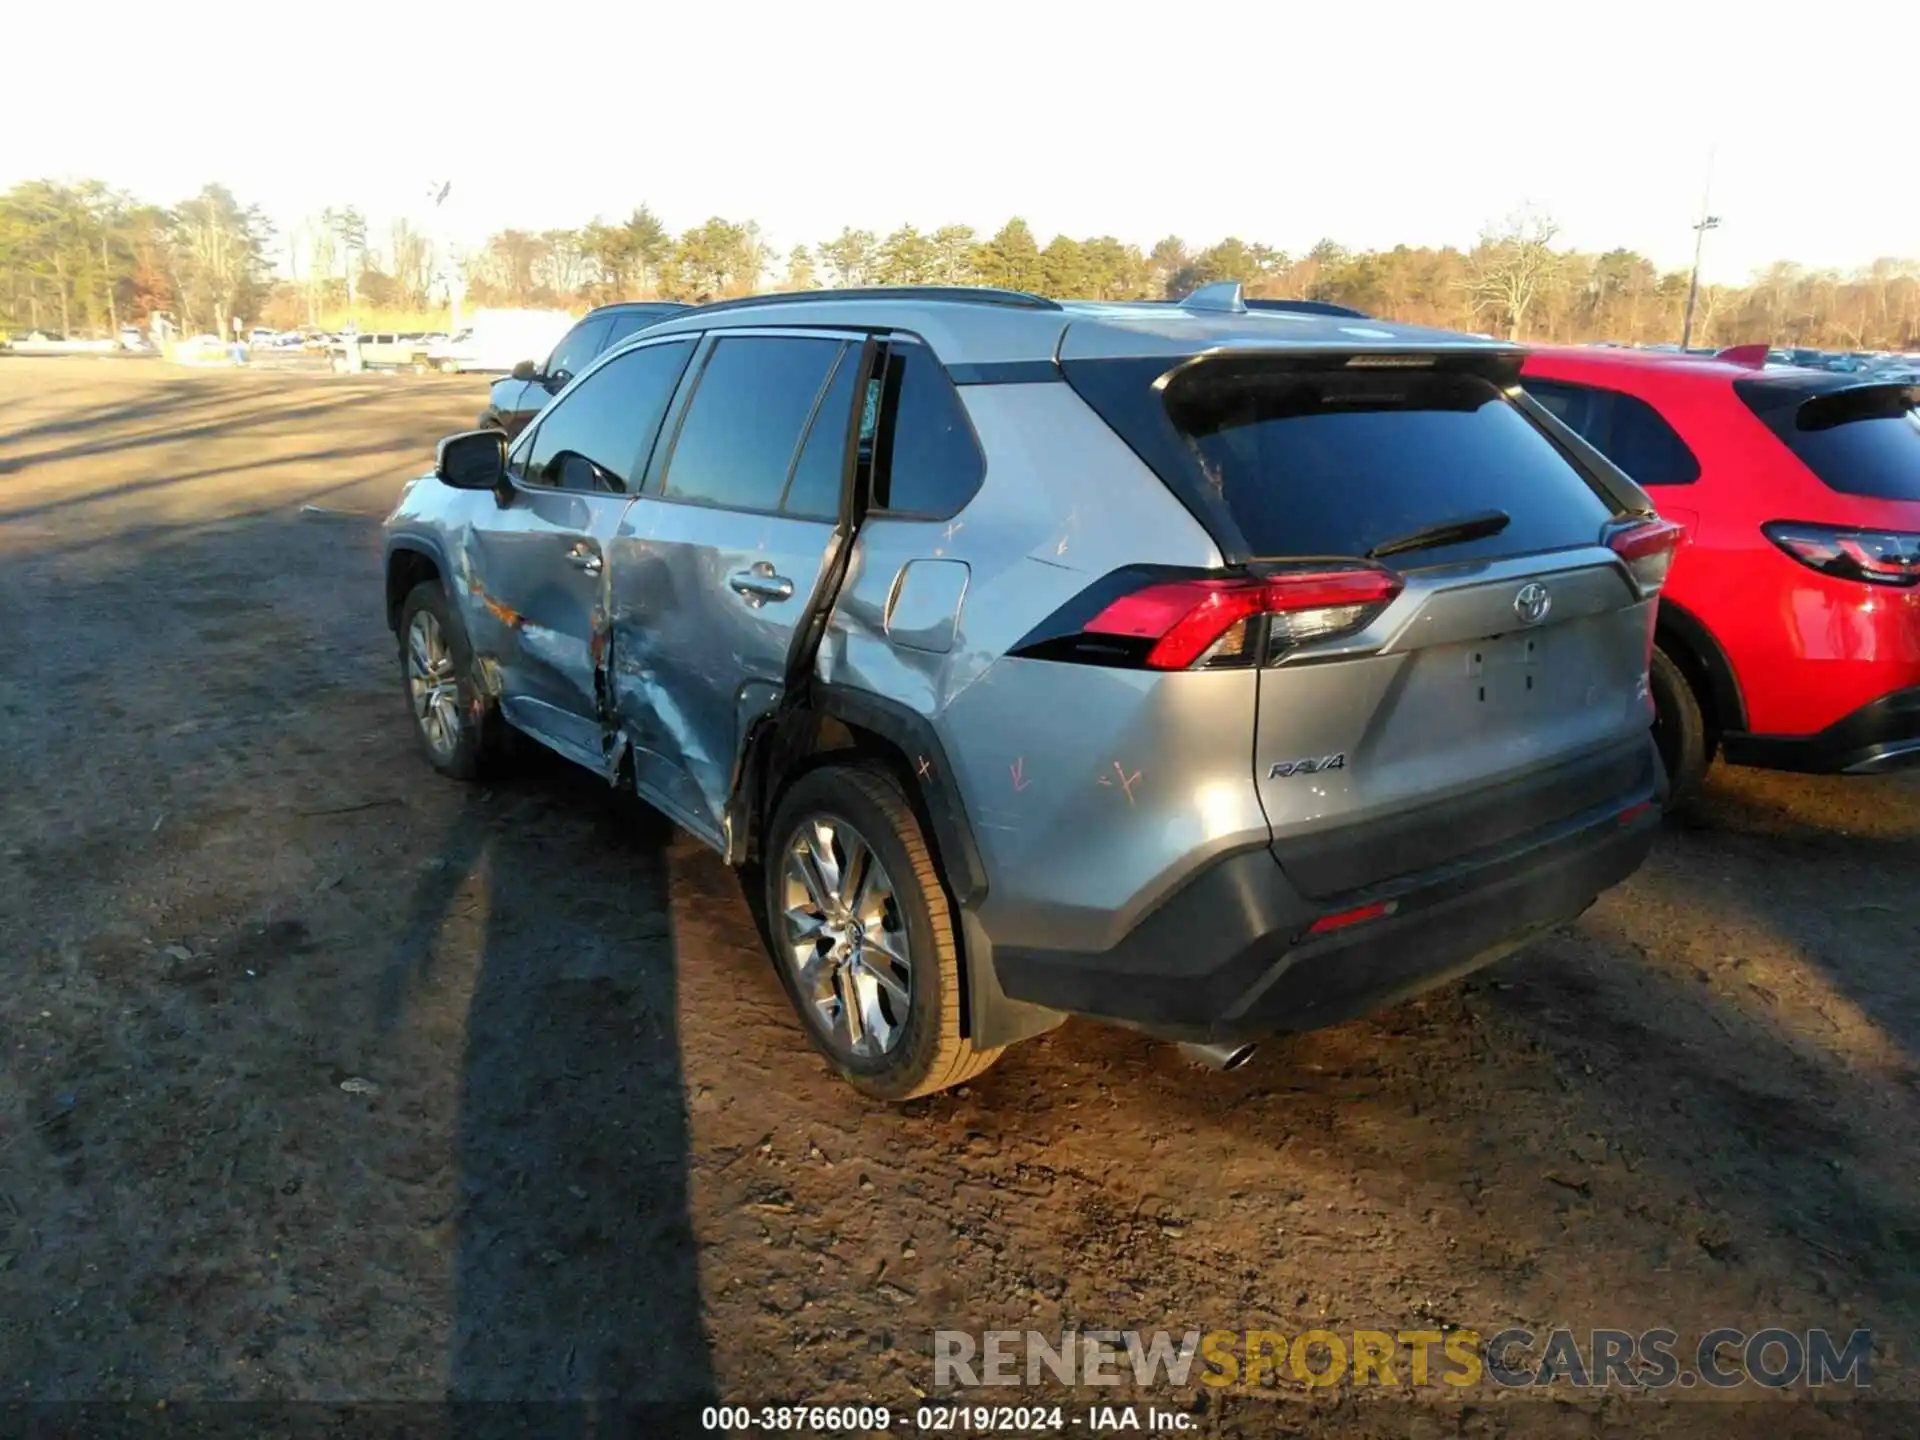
(438, 194)
(1707, 222)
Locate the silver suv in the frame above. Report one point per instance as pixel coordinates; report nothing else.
(1215, 668)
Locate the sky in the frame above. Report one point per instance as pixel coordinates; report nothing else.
(1372, 124)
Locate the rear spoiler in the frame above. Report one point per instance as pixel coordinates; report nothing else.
(1814, 405)
(1887, 400)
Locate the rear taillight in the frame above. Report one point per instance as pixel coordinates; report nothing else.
(1215, 622)
(1877, 557)
(1646, 548)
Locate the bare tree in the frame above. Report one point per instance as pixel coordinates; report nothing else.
(1511, 267)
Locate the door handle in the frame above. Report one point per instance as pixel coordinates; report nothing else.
(582, 557)
(760, 584)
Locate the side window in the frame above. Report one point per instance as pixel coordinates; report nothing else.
(1624, 428)
(741, 431)
(598, 437)
(814, 490)
(929, 462)
(579, 346)
(1580, 409)
(1644, 445)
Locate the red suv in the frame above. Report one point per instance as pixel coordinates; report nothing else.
(1789, 630)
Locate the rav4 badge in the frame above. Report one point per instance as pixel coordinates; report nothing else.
(1286, 769)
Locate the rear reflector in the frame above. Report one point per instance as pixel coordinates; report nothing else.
(1877, 557)
(1646, 547)
(1634, 812)
(1344, 918)
(1206, 621)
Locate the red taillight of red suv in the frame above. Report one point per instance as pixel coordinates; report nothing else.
(1647, 547)
(1876, 557)
(1206, 622)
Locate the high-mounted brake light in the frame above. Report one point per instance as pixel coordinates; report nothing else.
(1646, 547)
(1210, 621)
(1877, 557)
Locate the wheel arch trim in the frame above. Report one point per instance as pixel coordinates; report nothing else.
(1700, 646)
(422, 545)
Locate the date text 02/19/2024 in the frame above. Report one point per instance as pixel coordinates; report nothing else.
(941, 1419)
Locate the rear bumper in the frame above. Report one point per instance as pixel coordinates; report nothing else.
(1232, 955)
(1876, 738)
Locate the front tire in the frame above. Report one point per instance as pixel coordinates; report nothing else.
(457, 724)
(1680, 727)
(863, 934)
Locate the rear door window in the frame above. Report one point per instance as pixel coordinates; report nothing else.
(742, 429)
(1858, 439)
(1622, 427)
(814, 491)
(1336, 462)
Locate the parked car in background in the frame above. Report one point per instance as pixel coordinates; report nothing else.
(518, 397)
(1212, 670)
(385, 350)
(1789, 630)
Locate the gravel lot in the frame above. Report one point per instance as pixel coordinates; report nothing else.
(322, 1077)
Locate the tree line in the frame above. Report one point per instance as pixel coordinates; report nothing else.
(87, 258)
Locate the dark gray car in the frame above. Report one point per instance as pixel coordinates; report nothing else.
(1213, 669)
(517, 398)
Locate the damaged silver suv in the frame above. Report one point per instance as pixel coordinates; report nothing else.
(1216, 668)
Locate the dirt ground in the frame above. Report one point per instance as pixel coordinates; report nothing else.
(322, 1077)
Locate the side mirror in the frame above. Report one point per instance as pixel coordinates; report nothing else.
(526, 370)
(473, 460)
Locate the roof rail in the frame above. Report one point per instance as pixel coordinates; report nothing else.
(1310, 307)
(947, 294)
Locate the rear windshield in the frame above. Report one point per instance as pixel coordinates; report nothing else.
(1327, 462)
(1859, 439)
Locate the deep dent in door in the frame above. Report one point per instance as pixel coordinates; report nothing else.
(503, 617)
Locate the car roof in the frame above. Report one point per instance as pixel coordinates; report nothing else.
(972, 327)
(1599, 359)
(1594, 363)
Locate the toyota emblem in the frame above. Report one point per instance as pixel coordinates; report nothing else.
(1532, 603)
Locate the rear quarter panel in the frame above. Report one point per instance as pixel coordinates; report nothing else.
(1091, 792)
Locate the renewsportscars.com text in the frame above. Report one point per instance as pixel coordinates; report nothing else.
(1722, 1358)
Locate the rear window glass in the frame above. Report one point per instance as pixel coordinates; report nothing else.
(1337, 462)
(1860, 440)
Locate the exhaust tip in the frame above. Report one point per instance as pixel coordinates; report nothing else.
(1220, 1057)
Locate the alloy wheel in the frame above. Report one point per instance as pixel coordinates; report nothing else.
(845, 937)
(433, 684)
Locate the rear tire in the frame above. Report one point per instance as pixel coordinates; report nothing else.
(1680, 727)
(456, 723)
(912, 1048)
